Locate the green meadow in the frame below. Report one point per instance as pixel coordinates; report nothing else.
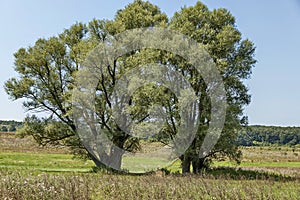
(28, 171)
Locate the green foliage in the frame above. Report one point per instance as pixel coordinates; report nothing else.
(138, 14)
(4, 129)
(9, 125)
(269, 135)
(10, 122)
(12, 128)
(48, 131)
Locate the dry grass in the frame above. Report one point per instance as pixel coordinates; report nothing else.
(271, 154)
(32, 185)
(10, 143)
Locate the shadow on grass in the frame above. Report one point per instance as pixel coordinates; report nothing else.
(227, 173)
(242, 174)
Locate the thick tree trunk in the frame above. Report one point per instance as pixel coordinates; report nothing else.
(185, 164)
(97, 162)
(112, 161)
(195, 164)
(198, 165)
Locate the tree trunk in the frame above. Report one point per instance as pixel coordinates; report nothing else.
(186, 164)
(108, 159)
(97, 162)
(114, 160)
(198, 165)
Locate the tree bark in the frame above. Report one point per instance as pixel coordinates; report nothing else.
(186, 164)
(97, 162)
(114, 159)
(198, 165)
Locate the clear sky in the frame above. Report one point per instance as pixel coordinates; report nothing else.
(273, 26)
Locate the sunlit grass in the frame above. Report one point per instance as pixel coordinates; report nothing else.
(43, 161)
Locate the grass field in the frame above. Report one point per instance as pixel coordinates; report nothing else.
(28, 171)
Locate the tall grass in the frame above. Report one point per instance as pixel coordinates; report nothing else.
(35, 185)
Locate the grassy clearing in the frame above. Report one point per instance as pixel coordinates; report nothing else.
(144, 164)
(28, 171)
(43, 162)
(271, 154)
(279, 160)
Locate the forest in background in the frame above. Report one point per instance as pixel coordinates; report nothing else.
(9, 125)
(269, 135)
(255, 135)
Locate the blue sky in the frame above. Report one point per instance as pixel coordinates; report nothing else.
(273, 26)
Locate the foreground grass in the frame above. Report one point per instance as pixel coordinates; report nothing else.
(28, 171)
(37, 185)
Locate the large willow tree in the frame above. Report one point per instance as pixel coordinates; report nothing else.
(47, 73)
(234, 57)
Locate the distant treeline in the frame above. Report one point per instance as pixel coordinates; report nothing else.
(248, 136)
(9, 125)
(269, 135)
(10, 122)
